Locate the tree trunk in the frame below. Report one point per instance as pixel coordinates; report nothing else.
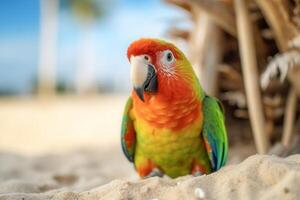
(48, 46)
(86, 70)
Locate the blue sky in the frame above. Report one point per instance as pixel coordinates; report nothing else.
(18, 44)
(126, 21)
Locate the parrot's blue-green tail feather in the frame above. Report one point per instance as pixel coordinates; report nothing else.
(214, 132)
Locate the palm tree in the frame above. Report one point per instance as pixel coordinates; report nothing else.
(86, 12)
(48, 46)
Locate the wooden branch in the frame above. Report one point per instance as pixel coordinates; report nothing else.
(289, 118)
(181, 4)
(293, 76)
(206, 51)
(249, 67)
(277, 17)
(221, 13)
(178, 33)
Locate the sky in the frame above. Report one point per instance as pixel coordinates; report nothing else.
(125, 21)
(19, 28)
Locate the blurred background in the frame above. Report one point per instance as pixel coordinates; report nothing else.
(64, 75)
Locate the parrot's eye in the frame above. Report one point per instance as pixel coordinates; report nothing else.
(169, 57)
(147, 58)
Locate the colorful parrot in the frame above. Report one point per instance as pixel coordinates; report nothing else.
(170, 126)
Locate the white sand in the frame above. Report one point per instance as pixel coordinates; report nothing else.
(37, 127)
(79, 176)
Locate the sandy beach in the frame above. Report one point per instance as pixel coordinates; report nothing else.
(82, 176)
(33, 126)
(68, 148)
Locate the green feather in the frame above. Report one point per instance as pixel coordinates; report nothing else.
(126, 129)
(214, 132)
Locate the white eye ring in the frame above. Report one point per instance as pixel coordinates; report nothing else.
(168, 56)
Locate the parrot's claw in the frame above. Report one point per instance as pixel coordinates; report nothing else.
(198, 173)
(155, 172)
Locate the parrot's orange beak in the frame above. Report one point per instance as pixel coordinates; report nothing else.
(143, 76)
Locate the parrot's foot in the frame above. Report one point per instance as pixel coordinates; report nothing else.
(197, 173)
(199, 169)
(155, 172)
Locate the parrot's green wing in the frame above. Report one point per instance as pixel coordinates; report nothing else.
(128, 138)
(214, 132)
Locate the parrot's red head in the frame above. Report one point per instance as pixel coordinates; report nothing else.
(158, 67)
(151, 47)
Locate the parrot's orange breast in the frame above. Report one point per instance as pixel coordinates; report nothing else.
(174, 114)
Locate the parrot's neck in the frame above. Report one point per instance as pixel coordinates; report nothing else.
(175, 106)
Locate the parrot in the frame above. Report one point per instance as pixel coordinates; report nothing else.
(170, 126)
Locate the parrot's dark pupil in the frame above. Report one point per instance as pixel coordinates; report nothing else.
(146, 58)
(169, 56)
